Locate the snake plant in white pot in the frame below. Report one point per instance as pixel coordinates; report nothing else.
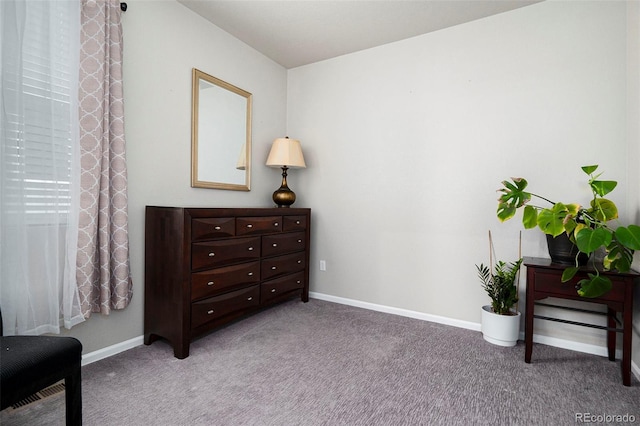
(500, 321)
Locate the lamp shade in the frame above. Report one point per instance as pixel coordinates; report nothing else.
(286, 152)
(242, 158)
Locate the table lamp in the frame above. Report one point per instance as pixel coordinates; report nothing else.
(285, 153)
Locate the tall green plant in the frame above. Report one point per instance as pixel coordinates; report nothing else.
(586, 227)
(501, 285)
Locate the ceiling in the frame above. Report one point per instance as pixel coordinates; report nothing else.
(300, 32)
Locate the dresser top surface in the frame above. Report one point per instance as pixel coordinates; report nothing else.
(235, 211)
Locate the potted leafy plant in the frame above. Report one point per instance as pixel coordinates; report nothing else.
(500, 321)
(586, 226)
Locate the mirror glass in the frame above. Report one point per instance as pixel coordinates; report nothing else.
(220, 134)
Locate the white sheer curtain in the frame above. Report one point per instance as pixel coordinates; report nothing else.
(39, 156)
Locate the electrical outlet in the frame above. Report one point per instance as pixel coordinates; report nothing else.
(323, 265)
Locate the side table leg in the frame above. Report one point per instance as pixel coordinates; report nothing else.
(611, 335)
(528, 325)
(625, 365)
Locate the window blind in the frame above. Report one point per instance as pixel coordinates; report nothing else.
(37, 82)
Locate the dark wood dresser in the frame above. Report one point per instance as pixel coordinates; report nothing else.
(205, 267)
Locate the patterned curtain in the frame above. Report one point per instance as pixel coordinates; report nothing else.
(103, 274)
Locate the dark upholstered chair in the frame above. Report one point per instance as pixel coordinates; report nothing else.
(29, 364)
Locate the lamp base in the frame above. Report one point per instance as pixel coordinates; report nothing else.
(283, 196)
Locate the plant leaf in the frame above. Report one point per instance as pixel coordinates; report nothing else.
(551, 221)
(594, 286)
(588, 240)
(618, 257)
(603, 187)
(577, 227)
(505, 211)
(621, 263)
(603, 209)
(530, 217)
(569, 273)
(513, 196)
(589, 169)
(572, 209)
(629, 236)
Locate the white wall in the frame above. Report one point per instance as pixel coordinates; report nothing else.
(163, 42)
(406, 144)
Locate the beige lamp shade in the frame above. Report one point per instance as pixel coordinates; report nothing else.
(242, 158)
(286, 152)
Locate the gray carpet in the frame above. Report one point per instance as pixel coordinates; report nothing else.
(322, 363)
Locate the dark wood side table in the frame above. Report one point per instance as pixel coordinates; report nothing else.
(544, 280)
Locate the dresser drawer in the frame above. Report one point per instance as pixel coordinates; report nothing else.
(549, 283)
(258, 225)
(282, 265)
(224, 252)
(215, 281)
(282, 243)
(214, 227)
(294, 223)
(275, 288)
(219, 306)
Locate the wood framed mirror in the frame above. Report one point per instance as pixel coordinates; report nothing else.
(220, 134)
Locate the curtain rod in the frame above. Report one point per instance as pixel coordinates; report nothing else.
(123, 6)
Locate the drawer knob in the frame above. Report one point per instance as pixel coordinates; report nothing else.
(250, 249)
(250, 274)
(249, 298)
(212, 254)
(249, 226)
(273, 290)
(275, 224)
(275, 244)
(217, 228)
(210, 312)
(297, 222)
(299, 262)
(299, 241)
(298, 282)
(210, 283)
(273, 268)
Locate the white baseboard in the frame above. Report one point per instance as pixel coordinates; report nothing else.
(545, 340)
(571, 345)
(111, 350)
(396, 311)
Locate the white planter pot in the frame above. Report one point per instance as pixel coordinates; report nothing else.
(500, 330)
